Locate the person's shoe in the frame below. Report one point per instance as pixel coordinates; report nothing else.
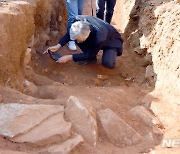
(72, 46)
(85, 62)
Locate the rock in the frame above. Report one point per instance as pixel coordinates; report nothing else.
(148, 59)
(31, 42)
(150, 75)
(157, 131)
(11, 152)
(54, 33)
(135, 42)
(118, 131)
(45, 93)
(30, 88)
(100, 139)
(67, 146)
(83, 120)
(36, 124)
(146, 101)
(145, 115)
(149, 137)
(138, 50)
(27, 57)
(55, 130)
(102, 77)
(60, 18)
(44, 37)
(46, 70)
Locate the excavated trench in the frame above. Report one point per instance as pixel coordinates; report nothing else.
(134, 90)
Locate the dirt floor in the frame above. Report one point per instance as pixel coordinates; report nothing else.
(124, 87)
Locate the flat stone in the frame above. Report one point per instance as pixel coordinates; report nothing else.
(36, 124)
(67, 146)
(29, 87)
(145, 115)
(18, 118)
(52, 130)
(157, 130)
(118, 131)
(149, 137)
(83, 120)
(11, 152)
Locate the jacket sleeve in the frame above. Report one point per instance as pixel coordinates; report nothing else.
(89, 53)
(65, 39)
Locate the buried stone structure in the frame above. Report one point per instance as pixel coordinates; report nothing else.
(43, 125)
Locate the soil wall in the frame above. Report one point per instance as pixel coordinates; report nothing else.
(26, 26)
(153, 30)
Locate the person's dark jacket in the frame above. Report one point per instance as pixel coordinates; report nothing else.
(102, 36)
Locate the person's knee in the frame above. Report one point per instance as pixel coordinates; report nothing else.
(108, 64)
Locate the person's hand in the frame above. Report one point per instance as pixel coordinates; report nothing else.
(64, 59)
(53, 48)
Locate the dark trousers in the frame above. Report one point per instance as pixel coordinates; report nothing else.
(100, 8)
(109, 58)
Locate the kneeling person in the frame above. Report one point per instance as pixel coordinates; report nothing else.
(92, 35)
